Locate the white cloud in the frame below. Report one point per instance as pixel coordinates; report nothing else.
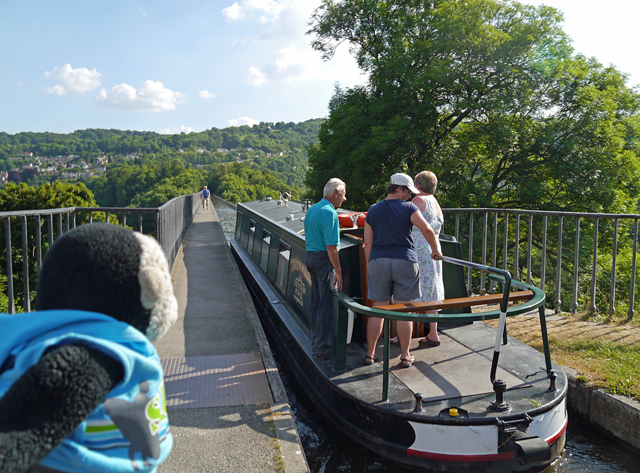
(242, 121)
(233, 13)
(176, 130)
(267, 11)
(73, 81)
(151, 97)
(205, 94)
(294, 63)
(256, 76)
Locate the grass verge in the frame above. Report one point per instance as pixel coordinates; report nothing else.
(606, 365)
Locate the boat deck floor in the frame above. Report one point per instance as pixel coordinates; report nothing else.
(456, 373)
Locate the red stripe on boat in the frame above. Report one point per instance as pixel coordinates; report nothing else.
(460, 458)
(555, 438)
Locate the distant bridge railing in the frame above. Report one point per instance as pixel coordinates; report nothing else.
(568, 254)
(40, 228)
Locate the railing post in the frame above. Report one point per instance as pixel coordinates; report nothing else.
(516, 252)
(592, 306)
(544, 253)
(612, 296)
(492, 288)
(469, 273)
(385, 358)
(483, 291)
(530, 238)
(26, 302)
(632, 289)
(506, 241)
(576, 263)
(457, 227)
(558, 301)
(50, 225)
(339, 342)
(7, 234)
(38, 243)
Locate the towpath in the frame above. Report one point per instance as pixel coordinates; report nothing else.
(227, 406)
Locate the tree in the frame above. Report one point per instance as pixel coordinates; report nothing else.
(486, 94)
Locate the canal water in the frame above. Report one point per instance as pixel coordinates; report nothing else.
(328, 450)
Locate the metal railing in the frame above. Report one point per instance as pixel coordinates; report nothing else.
(40, 228)
(588, 251)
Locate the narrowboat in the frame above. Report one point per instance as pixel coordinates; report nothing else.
(480, 402)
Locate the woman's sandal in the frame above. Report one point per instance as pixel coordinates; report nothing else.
(425, 342)
(369, 360)
(407, 362)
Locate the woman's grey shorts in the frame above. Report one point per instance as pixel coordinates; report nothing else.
(393, 277)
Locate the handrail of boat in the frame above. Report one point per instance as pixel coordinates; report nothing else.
(344, 303)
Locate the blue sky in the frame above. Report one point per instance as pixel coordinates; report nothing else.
(192, 65)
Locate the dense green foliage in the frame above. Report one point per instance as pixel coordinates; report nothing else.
(273, 138)
(47, 196)
(485, 93)
(149, 169)
(241, 183)
(489, 95)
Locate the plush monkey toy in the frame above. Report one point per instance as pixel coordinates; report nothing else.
(81, 385)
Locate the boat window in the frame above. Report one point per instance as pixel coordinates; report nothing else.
(282, 270)
(238, 225)
(264, 255)
(252, 236)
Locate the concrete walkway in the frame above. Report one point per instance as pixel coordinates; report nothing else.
(227, 406)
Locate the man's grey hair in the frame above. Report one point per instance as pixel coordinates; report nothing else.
(334, 184)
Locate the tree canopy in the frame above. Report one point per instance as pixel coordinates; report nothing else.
(485, 93)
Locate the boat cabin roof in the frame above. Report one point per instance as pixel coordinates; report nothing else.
(289, 215)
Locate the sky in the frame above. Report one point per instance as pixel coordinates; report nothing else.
(172, 67)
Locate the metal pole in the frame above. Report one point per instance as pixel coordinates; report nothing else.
(592, 306)
(516, 256)
(612, 297)
(484, 252)
(544, 252)
(26, 302)
(506, 241)
(50, 225)
(529, 252)
(632, 289)
(7, 234)
(576, 263)
(469, 273)
(38, 243)
(492, 288)
(559, 268)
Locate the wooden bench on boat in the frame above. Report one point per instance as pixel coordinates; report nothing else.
(489, 299)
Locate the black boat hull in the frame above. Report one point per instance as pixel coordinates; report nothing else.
(396, 435)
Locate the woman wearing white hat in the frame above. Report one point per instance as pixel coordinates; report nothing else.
(393, 270)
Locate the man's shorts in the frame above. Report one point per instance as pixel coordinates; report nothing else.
(389, 277)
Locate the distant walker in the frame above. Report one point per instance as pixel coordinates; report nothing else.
(204, 196)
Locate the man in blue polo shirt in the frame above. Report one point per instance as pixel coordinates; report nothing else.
(322, 236)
